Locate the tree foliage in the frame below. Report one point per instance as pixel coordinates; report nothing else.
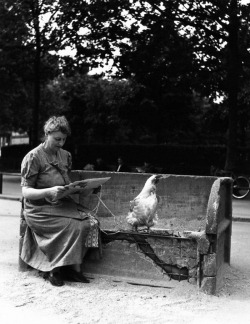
(29, 59)
(94, 107)
(169, 52)
(172, 48)
(13, 69)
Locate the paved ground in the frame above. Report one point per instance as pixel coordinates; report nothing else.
(241, 209)
(25, 305)
(11, 185)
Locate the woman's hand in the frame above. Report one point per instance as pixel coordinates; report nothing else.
(97, 190)
(55, 193)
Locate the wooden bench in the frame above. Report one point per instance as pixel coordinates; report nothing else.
(191, 242)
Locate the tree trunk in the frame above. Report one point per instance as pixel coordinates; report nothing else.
(37, 63)
(35, 114)
(233, 86)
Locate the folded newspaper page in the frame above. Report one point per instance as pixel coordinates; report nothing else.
(81, 185)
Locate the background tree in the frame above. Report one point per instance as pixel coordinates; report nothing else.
(42, 42)
(14, 70)
(177, 57)
(94, 107)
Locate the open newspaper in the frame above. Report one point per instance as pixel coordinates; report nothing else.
(86, 184)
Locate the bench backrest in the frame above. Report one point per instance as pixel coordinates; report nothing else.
(183, 203)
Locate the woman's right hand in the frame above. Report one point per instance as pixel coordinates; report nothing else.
(55, 193)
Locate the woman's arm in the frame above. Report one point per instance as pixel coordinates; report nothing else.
(52, 193)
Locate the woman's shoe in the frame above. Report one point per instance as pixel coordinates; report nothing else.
(73, 275)
(55, 279)
(43, 274)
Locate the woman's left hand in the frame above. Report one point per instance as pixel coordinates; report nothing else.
(97, 190)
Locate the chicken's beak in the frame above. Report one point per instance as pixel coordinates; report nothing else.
(158, 177)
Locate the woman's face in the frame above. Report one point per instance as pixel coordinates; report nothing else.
(55, 141)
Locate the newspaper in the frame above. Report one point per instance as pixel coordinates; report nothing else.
(86, 184)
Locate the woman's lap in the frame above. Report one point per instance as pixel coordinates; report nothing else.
(54, 241)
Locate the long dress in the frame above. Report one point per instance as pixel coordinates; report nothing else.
(58, 233)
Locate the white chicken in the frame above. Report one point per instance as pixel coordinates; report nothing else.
(143, 209)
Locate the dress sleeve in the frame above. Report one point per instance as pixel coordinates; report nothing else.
(29, 170)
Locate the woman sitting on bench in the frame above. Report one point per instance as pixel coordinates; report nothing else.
(59, 231)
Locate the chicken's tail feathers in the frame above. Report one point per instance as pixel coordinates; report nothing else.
(131, 219)
(153, 221)
(156, 219)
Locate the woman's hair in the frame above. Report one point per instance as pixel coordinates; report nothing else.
(57, 124)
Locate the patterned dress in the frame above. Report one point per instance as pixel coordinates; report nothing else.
(58, 233)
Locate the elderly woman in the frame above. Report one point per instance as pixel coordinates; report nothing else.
(59, 231)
